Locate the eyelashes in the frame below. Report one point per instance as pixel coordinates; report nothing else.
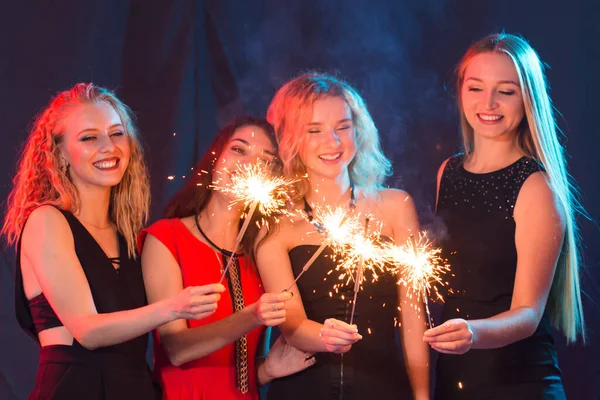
(93, 137)
(503, 92)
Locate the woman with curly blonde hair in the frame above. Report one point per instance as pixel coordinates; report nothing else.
(80, 196)
(329, 142)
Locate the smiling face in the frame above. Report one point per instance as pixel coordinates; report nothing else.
(94, 145)
(248, 145)
(491, 96)
(329, 145)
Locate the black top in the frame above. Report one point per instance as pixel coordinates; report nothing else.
(112, 290)
(373, 368)
(477, 212)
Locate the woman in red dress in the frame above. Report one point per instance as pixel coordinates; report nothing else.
(215, 359)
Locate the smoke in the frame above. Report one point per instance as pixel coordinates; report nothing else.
(378, 46)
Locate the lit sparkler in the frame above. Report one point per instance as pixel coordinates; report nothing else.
(420, 267)
(255, 187)
(339, 229)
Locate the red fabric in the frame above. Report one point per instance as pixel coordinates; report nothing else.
(213, 376)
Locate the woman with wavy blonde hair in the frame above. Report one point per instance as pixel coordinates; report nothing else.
(509, 207)
(80, 196)
(328, 141)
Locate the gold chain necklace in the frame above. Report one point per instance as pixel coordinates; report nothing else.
(110, 224)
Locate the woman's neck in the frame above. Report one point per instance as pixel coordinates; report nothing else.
(94, 207)
(492, 154)
(329, 191)
(220, 220)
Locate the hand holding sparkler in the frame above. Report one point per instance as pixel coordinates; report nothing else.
(270, 308)
(454, 336)
(338, 336)
(255, 187)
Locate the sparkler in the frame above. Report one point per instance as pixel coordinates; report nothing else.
(255, 187)
(359, 273)
(421, 268)
(339, 229)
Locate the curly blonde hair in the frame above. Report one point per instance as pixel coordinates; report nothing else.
(290, 111)
(42, 180)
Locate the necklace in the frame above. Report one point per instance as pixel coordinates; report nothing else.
(212, 244)
(110, 224)
(234, 282)
(309, 211)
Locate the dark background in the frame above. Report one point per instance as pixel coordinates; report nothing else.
(186, 67)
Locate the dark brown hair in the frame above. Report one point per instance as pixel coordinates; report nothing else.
(196, 193)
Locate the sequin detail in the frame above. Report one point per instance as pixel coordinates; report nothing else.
(493, 192)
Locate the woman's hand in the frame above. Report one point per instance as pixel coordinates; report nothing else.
(270, 308)
(338, 336)
(196, 302)
(454, 336)
(284, 359)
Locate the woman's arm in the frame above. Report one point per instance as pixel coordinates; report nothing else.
(403, 215)
(162, 278)
(276, 273)
(539, 236)
(48, 248)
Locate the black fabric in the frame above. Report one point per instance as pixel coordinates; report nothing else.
(373, 368)
(477, 210)
(42, 314)
(112, 290)
(73, 373)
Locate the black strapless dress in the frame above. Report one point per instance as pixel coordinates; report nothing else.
(373, 368)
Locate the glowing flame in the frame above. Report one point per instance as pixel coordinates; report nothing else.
(255, 183)
(420, 266)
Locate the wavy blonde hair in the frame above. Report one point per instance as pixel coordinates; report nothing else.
(538, 138)
(41, 179)
(290, 111)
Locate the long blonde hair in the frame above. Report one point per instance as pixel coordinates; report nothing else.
(40, 178)
(289, 112)
(538, 138)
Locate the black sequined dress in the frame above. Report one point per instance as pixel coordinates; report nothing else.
(477, 210)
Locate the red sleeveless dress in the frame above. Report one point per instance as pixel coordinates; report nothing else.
(211, 377)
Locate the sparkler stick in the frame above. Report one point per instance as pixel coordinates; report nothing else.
(413, 243)
(359, 274)
(420, 268)
(308, 264)
(257, 189)
(338, 227)
(239, 238)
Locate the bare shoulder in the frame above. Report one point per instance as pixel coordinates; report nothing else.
(47, 239)
(536, 196)
(47, 223)
(279, 234)
(538, 181)
(291, 230)
(395, 200)
(441, 169)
